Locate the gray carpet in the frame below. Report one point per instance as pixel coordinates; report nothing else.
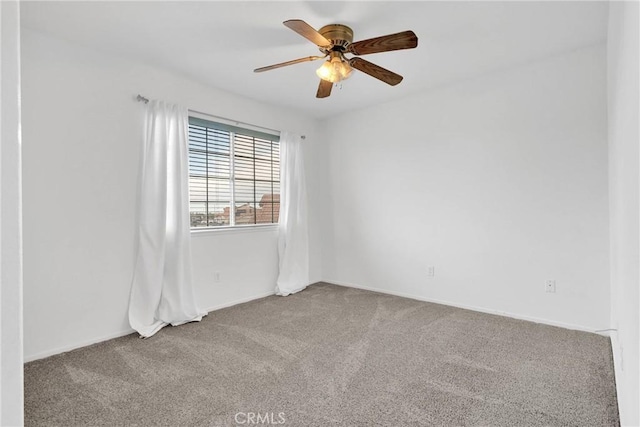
(332, 356)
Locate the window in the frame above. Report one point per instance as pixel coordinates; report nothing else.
(232, 167)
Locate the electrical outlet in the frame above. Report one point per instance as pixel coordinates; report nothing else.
(216, 277)
(550, 286)
(431, 271)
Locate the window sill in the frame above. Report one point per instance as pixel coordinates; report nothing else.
(208, 231)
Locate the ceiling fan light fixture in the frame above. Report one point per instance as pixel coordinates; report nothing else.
(336, 40)
(334, 70)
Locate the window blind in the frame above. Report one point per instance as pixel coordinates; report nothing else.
(234, 175)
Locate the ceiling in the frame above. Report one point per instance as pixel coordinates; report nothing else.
(220, 43)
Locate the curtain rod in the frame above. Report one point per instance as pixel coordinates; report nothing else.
(141, 98)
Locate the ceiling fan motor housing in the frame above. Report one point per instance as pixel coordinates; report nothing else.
(339, 35)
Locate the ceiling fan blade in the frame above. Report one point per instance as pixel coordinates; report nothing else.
(376, 71)
(284, 64)
(324, 89)
(307, 31)
(403, 40)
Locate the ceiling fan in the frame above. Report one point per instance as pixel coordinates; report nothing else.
(336, 40)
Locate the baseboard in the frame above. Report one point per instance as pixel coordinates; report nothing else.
(471, 307)
(240, 301)
(64, 349)
(616, 349)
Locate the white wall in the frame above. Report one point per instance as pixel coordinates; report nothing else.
(11, 389)
(624, 188)
(82, 132)
(499, 182)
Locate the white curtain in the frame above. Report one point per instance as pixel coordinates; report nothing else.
(162, 290)
(293, 234)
